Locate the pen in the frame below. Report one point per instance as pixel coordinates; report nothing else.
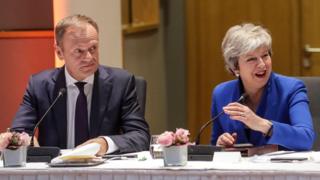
(288, 159)
(121, 156)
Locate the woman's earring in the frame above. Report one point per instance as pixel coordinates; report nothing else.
(237, 75)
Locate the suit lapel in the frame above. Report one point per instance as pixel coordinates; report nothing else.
(100, 98)
(60, 109)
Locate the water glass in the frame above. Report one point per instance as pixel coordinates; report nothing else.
(155, 149)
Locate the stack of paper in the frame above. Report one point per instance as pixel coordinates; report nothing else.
(81, 154)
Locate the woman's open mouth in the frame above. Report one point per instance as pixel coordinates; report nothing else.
(261, 74)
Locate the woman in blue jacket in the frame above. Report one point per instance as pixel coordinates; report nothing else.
(275, 109)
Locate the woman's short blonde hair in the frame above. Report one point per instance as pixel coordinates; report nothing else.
(241, 39)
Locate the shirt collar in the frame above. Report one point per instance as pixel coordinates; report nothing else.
(70, 80)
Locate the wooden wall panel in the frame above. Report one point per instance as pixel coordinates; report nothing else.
(140, 15)
(206, 23)
(26, 15)
(20, 57)
(145, 12)
(311, 35)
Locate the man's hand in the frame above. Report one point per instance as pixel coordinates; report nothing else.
(100, 140)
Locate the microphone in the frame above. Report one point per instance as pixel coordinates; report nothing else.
(205, 152)
(240, 100)
(61, 92)
(43, 154)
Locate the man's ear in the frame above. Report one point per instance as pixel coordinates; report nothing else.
(58, 50)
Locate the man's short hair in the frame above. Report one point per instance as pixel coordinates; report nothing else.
(73, 20)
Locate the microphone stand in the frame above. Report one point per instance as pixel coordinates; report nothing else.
(205, 152)
(61, 92)
(43, 154)
(197, 141)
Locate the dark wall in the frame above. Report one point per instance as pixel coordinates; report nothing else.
(26, 14)
(159, 56)
(174, 48)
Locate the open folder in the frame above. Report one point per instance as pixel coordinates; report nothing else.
(82, 156)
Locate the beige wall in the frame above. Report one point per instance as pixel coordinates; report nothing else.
(107, 13)
(158, 56)
(143, 54)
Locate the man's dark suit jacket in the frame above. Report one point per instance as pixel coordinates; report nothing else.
(115, 111)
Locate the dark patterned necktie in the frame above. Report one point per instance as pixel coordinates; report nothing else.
(81, 116)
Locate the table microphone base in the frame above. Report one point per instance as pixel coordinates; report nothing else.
(201, 152)
(42, 154)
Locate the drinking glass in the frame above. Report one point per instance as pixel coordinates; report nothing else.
(155, 148)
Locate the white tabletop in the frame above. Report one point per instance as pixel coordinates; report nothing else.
(247, 168)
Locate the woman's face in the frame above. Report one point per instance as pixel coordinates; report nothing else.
(255, 68)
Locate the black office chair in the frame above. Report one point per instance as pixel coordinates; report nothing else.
(313, 87)
(141, 86)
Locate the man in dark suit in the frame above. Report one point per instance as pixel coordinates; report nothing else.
(100, 104)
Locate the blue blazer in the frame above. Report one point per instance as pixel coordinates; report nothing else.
(284, 102)
(115, 111)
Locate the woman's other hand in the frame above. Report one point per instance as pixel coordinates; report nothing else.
(227, 139)
(244, 114)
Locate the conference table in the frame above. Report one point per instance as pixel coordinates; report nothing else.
(146, 168)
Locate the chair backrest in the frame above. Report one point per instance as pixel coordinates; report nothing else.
(313, 88)
(141, 86)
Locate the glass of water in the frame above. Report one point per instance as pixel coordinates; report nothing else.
(155, 148)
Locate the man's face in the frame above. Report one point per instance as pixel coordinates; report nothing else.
(79, 50)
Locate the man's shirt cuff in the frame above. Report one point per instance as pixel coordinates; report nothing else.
(112, 147)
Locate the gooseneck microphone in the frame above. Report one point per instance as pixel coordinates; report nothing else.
(46, 153)
(205, 152)
(61, 92)
(240, 100)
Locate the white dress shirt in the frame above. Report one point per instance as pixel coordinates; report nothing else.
(72, 95)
